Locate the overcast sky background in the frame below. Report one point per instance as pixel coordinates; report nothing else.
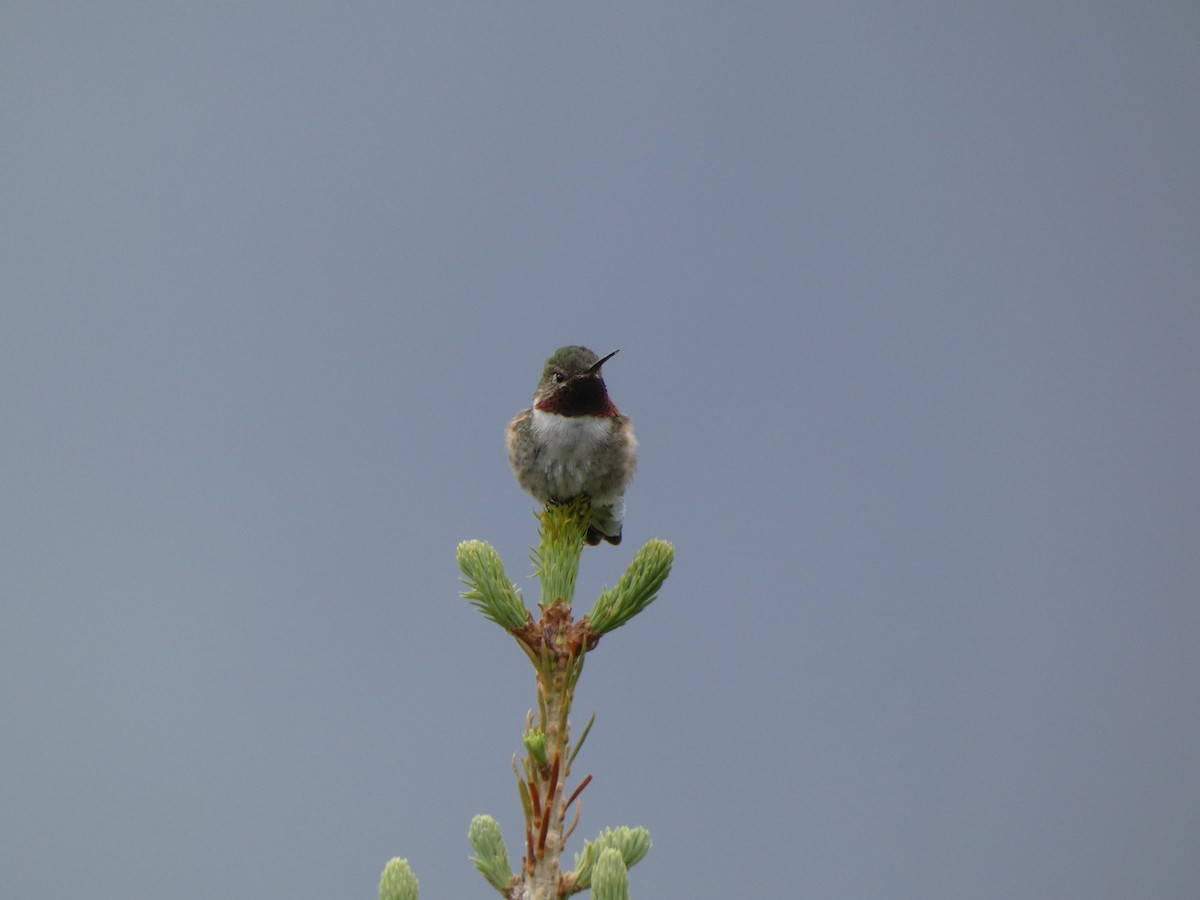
(908, 303)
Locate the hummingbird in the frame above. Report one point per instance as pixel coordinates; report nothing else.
(572, 442)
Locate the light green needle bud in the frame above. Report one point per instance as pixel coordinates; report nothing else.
(634, 844)
(491, 858)
(631, 843)
(535, 745)
(397, 882)
(636, 590)
(490, 591)
(560, 544)
(610, 879)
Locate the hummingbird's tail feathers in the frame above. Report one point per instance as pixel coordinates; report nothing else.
(595, 535)
(608, 513)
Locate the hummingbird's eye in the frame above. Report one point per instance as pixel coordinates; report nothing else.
(559, 377)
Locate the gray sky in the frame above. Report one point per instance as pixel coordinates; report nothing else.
(908, 300)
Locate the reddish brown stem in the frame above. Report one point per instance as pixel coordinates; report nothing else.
(542, 832)
(571, 830)
(529, 860)
(578, 791)
(551, 787)
(535, 801)
(553, 783)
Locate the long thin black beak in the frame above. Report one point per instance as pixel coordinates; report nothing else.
(596, 365)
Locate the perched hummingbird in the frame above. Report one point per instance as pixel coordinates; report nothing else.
(574, 442)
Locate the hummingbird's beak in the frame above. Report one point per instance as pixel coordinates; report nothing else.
(595, 369)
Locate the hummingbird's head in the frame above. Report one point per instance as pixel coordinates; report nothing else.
(571, 384)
